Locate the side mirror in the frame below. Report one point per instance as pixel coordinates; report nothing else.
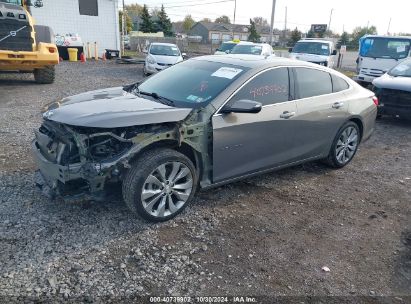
(334, 52)
(290, 50)
(228, 52)
(243, 106)
(184, 55)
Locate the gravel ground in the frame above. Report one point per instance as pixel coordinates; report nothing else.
(269, 235)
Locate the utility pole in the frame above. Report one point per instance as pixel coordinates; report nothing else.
(235, 9)
(123, 28)
(329, 23)
(389, 25)
(272, 23)
(285, 23)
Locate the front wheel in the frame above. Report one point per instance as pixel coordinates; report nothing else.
(45, 75)
(160, 185)
(344, 146)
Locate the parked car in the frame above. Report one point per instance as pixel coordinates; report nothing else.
(126, 41)
(317, 51)
(251, 48)
(393, 89)
(378, 54)
(201, 123)
(161, 56)
(226, 47)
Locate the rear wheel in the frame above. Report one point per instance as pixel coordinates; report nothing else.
(344, 146)
(160, 185)
(45, 75)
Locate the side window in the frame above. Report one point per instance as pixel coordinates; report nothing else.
(270, 87)
(311, 82)
(339, 84)
(88, 7)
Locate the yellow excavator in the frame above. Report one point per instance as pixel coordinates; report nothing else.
(25, 47)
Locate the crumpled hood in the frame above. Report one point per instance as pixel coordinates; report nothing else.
(112, 108)
(395, 83)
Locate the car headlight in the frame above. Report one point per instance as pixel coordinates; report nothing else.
(151, 60)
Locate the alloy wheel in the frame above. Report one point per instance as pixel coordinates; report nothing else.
(347, 145)
(167, 189)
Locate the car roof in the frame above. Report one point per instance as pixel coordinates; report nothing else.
(161, 43)
(315, 40)
(250, 43)
(253, 61)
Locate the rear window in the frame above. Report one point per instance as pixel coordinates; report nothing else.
(339, 84)
(247, 49)
(315, 48)
(164, 50)
(226, 47)
(312, 82)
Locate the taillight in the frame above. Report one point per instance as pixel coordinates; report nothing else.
(52, 50)
(375, 99)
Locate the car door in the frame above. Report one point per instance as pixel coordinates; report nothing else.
(321, 111)
(246, 143)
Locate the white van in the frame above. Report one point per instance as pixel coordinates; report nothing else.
(319, 51)
(378, 54)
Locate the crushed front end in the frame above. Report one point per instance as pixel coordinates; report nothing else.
(78, 163)
(394, 102)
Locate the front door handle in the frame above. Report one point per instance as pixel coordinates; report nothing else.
(287, 115)
(338, 105)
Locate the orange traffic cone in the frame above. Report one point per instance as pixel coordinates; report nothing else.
(82, 58)
(104, 57)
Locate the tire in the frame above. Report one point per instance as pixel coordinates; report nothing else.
(344, 146)
(45, 75)
(149, 185)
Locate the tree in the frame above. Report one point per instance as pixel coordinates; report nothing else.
(254, 36)
(188, 23)
(344, 40)
(223, 19)
(133, 9)
(295, 36)
(359, 32)
(129, 23)
(164, 23)
(146, 25)
(310, 34)
(260, 21)
(206, 20)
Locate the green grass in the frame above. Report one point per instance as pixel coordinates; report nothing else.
(350, 74)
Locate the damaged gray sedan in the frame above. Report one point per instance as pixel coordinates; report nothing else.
(201, 123)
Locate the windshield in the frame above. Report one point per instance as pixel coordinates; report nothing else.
(315, 48)
(385, 48)
(247, 49)
(402, 70)
(192, 83)
(17, 2)
(164, 50)
(226, 47)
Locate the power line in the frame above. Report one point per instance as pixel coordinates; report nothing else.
(197, 4)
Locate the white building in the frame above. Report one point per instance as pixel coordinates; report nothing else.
(93, 20)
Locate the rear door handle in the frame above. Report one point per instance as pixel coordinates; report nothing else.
(287, 115)
(338, 105)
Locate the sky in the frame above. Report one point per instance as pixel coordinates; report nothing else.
(346, 14)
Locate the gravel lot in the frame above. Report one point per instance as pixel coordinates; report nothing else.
(269, 235)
